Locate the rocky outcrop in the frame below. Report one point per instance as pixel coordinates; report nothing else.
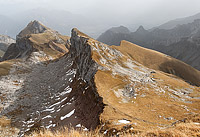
(3, 47)
(18, 50)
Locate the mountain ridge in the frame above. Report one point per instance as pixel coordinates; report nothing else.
(91, 85)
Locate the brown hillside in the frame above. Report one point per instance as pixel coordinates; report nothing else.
(158, 61)
(5, 67)
(139, 96)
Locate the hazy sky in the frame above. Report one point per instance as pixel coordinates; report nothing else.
(123, 12)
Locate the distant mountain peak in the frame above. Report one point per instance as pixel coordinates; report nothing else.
(120, 29)
(141, 30)
(34, 27)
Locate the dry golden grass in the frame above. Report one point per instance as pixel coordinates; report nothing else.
(145, 111)
(158, 61)
(4, 122)
(5, 67)
(148, 108)
(43, 42)
(179, 130)
(5, 128)
(66, 133)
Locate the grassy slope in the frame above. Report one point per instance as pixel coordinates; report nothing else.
(5, 67)
(41, 42)
(190, 128)
(182, 129)
(144, 111)
(158, 61)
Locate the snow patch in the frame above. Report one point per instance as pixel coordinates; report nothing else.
(48, 116)
(79, 125)
(124, 121)
(68, 115)
(67, 90)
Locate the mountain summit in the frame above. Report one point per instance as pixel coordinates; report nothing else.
(49, 40)
(34, 27)
(141, 30)
(120, 29)
(112, 35)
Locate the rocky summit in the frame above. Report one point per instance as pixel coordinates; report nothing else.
(50, 81)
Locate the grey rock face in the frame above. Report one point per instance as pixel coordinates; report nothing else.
(3, 47)
(81, 51)
(20, 49)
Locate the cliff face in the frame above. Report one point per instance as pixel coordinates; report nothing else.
(91, 85)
